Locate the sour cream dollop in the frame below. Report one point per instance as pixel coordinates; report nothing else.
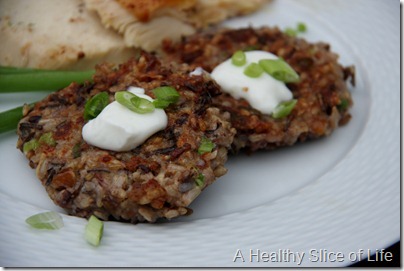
(117, 128)
(264, 93)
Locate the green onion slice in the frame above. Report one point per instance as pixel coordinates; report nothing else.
(206, 145)
(239, 59)
(161, 104)
(284, 109)
(94, 231)
(31, 145)
(95, 105)
(134, 102)
(280, 70)
(165, 96)
(200, 180)
(47, 220)
(253, 70)
(343, 105)
(290, 32)
(76, 151)
(47, 139)
(301, 27)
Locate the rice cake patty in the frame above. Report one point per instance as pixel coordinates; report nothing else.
(323, 98)
(158, 179)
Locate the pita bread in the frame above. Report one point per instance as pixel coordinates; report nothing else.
(51, 34)
(159, 20)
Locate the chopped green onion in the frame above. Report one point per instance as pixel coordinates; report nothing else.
(284, 109)
(9, 119)
(251, 48)
(160, 104)
(142, 105)
(47, 220)
(95, 105)
(94, 231)
(165, 96)
(200, 180)
(293, 32)
(280, 70)
(301, 27)
(31, 145)
(40, 80)
(290, 32)
(47, 138)
(76, 151)
(13, 70)
(134, 102)
(239, 59)
(253, 70)
(343, 104)
(206, 145)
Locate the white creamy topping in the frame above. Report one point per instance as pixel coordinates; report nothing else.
(263, 93)
(117, 128)
(197, 72)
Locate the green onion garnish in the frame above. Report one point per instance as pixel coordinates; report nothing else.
(239, 58)
(206, 145)
(76, 151)
(165, 96)
(280, 70)
(301, 27)
(134, 102)
(343, 104)
(200, 180)
(293, 32)
(284, 109)
(253, 70)
(95, 105)
(47, 138)
(9, 119)
(290, 32)
(31, 145)
(141, 105)
(47, 220)
(94, 231)
(160, 104)
(22, 79)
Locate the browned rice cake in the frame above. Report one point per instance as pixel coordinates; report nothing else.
(155, 180)
(322, 94)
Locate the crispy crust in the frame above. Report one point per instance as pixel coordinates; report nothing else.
(143, 10)
(157, 179)
(321, 93)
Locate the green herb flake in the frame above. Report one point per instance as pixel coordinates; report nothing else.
(76, 151)
(290, 32)
(31, 145)
(293, 32)
(47, 139)
(206, 146)
(343, 105)
(301, 27)
(200, 180)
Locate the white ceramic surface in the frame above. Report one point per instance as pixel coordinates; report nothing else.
(335, 195)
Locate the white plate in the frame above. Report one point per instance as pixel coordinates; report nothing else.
(340, 194)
